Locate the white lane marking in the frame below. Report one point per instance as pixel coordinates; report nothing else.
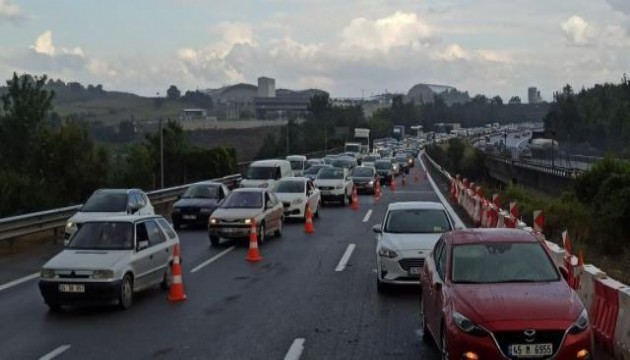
(344, 259)
(53, 354)
(367, 216)
(19, 281)
(212, 259)
(447, 205)
(296, 349)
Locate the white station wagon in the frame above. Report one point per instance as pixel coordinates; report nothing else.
(109, 259)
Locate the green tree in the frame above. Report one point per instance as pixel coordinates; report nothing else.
(515, 100)
(173, 93)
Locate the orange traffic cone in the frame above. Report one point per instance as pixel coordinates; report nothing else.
(253, 255)
(355, 199)
(377, 190)
(392, 184)
(308, 224)
(176, 290)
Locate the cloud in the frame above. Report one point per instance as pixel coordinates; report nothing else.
(397, 30)
(620, 5)
(11, 12)
(44, 45)
(577, 30)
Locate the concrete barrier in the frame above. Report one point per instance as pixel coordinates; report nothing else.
(622, 330)
(588, 274)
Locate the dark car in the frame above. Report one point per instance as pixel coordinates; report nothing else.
(198, 203)
(403, 162)
(345, 162)
(497, 294)
(384, 169)
(364, 178)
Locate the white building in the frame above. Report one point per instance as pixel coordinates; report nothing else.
(266, 87)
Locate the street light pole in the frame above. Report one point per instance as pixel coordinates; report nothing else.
(161, 155)
(288, 124)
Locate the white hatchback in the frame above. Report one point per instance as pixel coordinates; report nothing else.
(406, 236)
(295, 193)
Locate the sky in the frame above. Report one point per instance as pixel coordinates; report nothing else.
(349, 48)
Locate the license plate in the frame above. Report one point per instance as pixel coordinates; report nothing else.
(326, 192)
(230, 230)
(189, 217)
(414, 271)
(72, 288)
(531, 350)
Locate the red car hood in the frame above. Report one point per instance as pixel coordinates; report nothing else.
(503, 306)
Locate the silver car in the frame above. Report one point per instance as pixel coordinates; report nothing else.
(109, 259)
(233, 218)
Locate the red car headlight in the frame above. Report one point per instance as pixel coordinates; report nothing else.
(466, 325)
(580, 324)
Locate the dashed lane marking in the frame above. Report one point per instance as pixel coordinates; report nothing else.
(367, 216)
(212, 259)
(296, 349)
(53, 354)
(19, 281)
(344, 259)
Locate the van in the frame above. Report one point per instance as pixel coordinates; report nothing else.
(265, 173)
(298, 164)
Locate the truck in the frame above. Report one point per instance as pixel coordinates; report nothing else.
(399, 132)
(360, 146)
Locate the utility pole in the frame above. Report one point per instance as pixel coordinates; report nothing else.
(288, 124)
(161, 155)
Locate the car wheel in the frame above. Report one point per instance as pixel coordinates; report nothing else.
(346, 200)
(426, 336)
(443, 345)
(214, 240)
(261, 234)
(126, 293)
(166, 278)
(278, 232)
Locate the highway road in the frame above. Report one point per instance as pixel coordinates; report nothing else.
(293, 300)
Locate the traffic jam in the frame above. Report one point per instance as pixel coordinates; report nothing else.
(483, 293)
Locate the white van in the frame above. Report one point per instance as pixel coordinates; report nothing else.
(298, 164)
(265, 173)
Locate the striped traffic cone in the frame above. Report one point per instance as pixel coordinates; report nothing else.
(176, 290)
(308, 224)
(377, 190)
(355, 199)
(253, 255)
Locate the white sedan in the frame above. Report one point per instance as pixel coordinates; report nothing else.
(295, 193)
(407, 235)
(335, 184)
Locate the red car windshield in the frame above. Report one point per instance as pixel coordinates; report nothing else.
(501, 263)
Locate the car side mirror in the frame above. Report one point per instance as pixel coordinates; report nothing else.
(377, 229)
(565, 273)
(144, 244)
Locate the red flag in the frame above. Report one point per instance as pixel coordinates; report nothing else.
(514, 209)
(566, 242)
(539, 220)
(495, 200)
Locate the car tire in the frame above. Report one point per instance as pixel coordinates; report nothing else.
(381, 287)
(278, 233)
(426, 336)
(125, 298)
(166, 278)
(261, 234)
(345, 201)
(214, 240)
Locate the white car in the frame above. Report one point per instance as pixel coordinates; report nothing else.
(108, 202)
(406, 236)
(295, 193)
(108, 260)
(335, 184)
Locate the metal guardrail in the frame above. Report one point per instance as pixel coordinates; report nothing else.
(570, 173)
(32, 223)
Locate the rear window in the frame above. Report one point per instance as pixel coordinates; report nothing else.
(106, 202)
(362, 172)
(417, 221)
(330, 173)
(260, 173)
(290, 187)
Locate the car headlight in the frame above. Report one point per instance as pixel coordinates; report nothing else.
(387, 252)
(247, 221)
(70, 224)
(580, 324)
(47, 274)
(297, 201)
(102, 274)
(263, 185)
(339, 187)
(212, 221)
(206, 210)
(371, 182)
(466, 325)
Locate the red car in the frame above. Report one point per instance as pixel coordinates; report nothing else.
(496, 294)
